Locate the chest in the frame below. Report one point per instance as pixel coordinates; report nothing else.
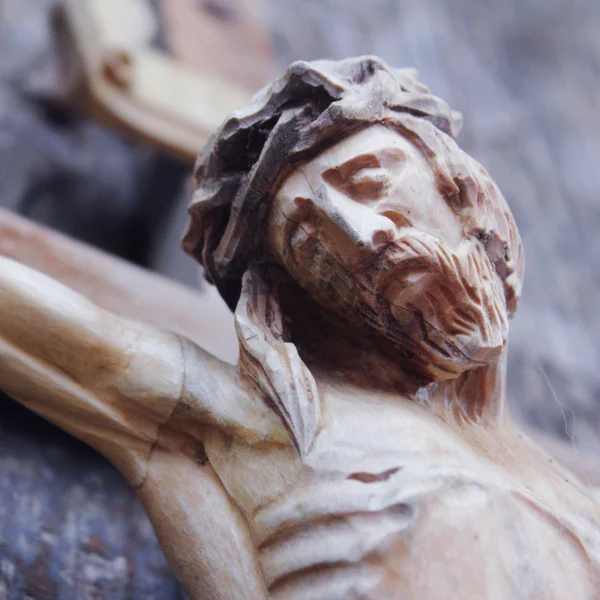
(379, 478)
(359, 443)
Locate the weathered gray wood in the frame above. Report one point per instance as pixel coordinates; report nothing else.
(70, 528)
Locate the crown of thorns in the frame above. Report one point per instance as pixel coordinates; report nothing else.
(303, 112)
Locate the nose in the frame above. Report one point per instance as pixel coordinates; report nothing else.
(390, 222)
(376, 234)
(381, 238)
(362, 226)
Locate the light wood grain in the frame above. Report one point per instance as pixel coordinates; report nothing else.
(524, 75)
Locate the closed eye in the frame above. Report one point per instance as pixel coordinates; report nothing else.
(367, 176)
(369, 183)
(361, 178)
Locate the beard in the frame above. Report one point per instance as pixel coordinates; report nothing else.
(443, 311)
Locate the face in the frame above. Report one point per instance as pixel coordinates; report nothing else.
(363, 228)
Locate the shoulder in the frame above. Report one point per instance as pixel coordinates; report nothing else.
(214, 395)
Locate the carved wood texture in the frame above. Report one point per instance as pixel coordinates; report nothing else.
(539, 141)
(361, 446)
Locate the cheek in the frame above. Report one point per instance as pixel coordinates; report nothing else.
(303, 248)
(418, 201)
(310, 258)
(294, 243)
(291, 237)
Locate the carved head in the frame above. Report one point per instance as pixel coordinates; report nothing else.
(347, 175)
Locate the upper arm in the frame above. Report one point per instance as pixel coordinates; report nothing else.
(213, 394)
(54, 324)
(107, 380)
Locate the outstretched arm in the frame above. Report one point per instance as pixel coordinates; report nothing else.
(112, 382)
(116, 384)
(109, 381)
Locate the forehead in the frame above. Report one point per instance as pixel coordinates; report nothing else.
(367, 141)
(371, 141)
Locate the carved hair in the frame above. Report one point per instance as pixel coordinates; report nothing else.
(308, 109)
(270, 365)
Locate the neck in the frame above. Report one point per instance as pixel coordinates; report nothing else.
(333, 348)
(477, 395)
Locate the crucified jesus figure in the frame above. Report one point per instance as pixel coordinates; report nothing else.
(362, 446)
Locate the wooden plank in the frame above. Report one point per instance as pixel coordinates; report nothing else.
(112, 72)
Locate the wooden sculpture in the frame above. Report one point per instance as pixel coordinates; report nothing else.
(362, 446)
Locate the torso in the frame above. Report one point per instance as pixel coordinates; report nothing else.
(388, 491)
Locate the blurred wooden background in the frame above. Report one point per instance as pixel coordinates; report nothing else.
(525, 74)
